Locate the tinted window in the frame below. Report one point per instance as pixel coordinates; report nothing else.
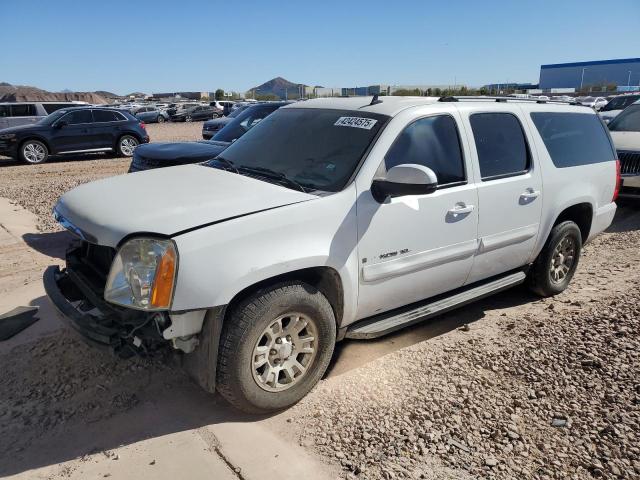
(52, 107)
(502, 148)
(620, 103)
(315, 147)
(4, 111)
(573, 138)
(432, 142)
(24, 110)
(243, 122)
(80, 116)
(105, 116)
(627, 121)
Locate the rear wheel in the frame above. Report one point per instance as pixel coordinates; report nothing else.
(188, 118)
(557, 262)
(275, 346)
(34, 152)
(160, 119)
(126, 145)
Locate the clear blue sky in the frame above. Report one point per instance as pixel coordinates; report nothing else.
(142, 45)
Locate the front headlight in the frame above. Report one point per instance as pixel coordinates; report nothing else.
(143, 274)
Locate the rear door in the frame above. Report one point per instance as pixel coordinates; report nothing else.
(105, 125)
(23, 114)
(76, 134)
(509, 190)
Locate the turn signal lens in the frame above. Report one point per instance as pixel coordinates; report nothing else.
(163, 284)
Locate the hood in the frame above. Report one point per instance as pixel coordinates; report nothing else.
(183, 152)
(626, 141)
(21, 128)
(217, 121)
(166, 201)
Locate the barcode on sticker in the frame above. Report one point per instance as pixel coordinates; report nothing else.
(356, 122)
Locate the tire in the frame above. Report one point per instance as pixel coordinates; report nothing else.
(244, 338)
(33, 152)
(126, 145)
(556, 264)
(160, 119)
(188, 118)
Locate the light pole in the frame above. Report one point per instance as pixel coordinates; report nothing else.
(629, 79)
(582, 78)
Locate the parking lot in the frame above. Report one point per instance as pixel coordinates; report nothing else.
(510, 387)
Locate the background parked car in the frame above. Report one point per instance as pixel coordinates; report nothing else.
(616, 106)
(159, 155)
(193, 114)
(625, 132)
(223, 107)
(13, 114)
(211, 127)
(151, 115)
(596, 103)
(74, 130)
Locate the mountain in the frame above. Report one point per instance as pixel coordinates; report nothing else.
(279, 87)
(105, 94)
(23, 93)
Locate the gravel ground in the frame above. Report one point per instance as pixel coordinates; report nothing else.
(38, 187)
(536, 389)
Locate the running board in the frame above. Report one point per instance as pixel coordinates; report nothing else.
(385, 323)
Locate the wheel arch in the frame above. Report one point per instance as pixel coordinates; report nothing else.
(39, 139)
(326, 279)
(581, 214)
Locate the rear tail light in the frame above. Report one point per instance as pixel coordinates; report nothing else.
(143, 126)
(616, 191)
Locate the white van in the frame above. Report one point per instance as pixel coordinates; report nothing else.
(13, 114)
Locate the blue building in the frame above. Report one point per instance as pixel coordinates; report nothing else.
(585, 75)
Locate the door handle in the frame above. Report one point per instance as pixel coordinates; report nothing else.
(461, 208)
(530, 194)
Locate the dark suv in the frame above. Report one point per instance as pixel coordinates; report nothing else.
(74, 130)
(158, 155)
(202, 112)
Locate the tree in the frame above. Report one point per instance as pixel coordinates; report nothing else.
(219, 94)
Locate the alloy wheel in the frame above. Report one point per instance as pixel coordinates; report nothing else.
(562, 259)
(284, 352)
(34, 152)
(128, 145)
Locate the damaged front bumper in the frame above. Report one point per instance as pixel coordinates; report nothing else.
(104, 325)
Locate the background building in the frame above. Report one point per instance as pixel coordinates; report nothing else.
(591, 75)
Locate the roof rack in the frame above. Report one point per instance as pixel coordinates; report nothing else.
(457, 98)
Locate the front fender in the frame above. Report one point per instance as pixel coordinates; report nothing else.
(219, 261)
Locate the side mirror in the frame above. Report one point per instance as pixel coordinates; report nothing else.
(406, 179)
(61, 123)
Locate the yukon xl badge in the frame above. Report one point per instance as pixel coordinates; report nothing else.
(383, 256)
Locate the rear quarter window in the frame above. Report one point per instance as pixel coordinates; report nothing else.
(574, 139)
(23, 110)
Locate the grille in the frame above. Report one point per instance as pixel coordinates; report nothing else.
(97, 257)
(629, 163)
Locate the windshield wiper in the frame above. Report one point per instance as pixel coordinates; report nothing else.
(267, 172)
(226, 162)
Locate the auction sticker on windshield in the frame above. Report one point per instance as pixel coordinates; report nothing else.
(356, 122)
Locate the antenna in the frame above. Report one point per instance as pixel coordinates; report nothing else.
(375, 100)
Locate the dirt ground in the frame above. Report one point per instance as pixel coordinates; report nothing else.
(509, 387)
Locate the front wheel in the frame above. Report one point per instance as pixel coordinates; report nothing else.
(160, 119)
(557, 262)
(188, 118)
(34, 152)
(126, 145)
(275, 346)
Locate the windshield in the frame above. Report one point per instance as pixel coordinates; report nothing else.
(316, 148)
(52, 117)
(237, 111)
(244, 122)
(627, 121)
(620, 103)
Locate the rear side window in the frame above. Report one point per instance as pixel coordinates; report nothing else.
(432, 142)
(4, 111)
(627, 121)
(24, 110)
(573, 138)
(501, 145)
(105, 116)
(52, 107)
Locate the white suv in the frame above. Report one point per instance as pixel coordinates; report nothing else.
(332, 218)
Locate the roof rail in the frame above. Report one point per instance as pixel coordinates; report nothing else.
(457, 98)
